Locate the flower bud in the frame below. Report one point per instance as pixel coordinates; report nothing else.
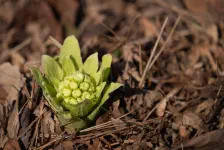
(73, 101)
(84, 86)
(76, 93)
(66, 83)
(66, 92)
(78, 77)
(73, 85)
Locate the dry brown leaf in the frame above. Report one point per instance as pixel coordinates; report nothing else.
(48, 124)
(118, 123)
(198, 6)
(212, 30)
(7, 12)
(213, 140)
(3, 138)
(160, 110)
(67, 10)
(17, 59)
(149, 27)
(116, 112)
(67, 145)
(205, 106)
(161, 106)
(207, 11)
(12, 145)
(13, 123)
(152, 96)
(191, 119)
(10, 83)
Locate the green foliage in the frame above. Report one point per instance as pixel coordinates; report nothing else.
(75, 91)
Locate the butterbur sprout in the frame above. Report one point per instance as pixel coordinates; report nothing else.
(74, 90)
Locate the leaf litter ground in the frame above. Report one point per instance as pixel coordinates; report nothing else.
(172, 96)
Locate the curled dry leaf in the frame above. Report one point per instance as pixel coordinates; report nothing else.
(3, 138)
(149, 27)
(161, 107)
(48, 124)
(213, 140)
(12, 145)
(13, 123)
(205, 107)
(160, 110)
(118, 123)
(212, 31)
(116, 112)
(192, 119)
(152, 96)
(10, 83)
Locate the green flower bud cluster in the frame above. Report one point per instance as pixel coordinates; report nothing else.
(76, 88)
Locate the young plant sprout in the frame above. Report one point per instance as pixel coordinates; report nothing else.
(75, 90)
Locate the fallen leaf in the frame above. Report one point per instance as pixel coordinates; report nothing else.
(48, 124)
(116, 112)
(13, 123)
(213, 140)
(152, 96)
(118, 123)
(3, 138)
(191, 119)
(12, 145)
(205, 106)
(212, 31)
(10, 83)
(67, 145)
(198, 6)
(161, 106)
(160, 110)
(149, 27)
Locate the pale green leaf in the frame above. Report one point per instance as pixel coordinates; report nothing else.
(112, 87)
(74, 124)
(68, 66)
(91, 64)
(51, 67)
(106, 61)
(105, 66)
(98, 77)
(69, 48)
(48, 89)
(43, 82)
(99, 89)
(79, 110)
(55, 82)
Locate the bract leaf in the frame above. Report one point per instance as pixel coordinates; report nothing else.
(48, 89)
(98, 77)
(91, 64)
(112, 87)
(69, 48)
(68, 66)
(105, 66)
(43, 82)
(106, 61)
(55, 82)
(99, 89)
(74, 124)
(80, 110)
(51, 67)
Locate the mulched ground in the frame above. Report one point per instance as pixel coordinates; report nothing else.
(168, 54)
